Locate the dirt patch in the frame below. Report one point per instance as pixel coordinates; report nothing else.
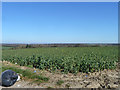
(103, 79)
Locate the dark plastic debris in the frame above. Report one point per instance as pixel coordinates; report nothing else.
(8, 78)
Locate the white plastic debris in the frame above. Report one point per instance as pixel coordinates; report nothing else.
(18, 85)
(18, 78)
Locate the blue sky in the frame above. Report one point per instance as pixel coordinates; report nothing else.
(60, 22)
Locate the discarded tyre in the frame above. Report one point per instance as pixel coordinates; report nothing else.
(8, 78)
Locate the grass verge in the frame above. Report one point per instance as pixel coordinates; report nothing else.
(27, 74)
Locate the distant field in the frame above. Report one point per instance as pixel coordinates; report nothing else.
(65, 59)
(3, 48)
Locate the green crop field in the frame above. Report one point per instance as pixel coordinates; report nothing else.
(3, 48)
(65, 59)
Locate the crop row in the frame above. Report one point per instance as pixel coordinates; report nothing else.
(66, 64)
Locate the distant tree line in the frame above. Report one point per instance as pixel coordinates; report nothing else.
(17, 46)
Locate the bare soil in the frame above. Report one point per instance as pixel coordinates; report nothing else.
(103, 79)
